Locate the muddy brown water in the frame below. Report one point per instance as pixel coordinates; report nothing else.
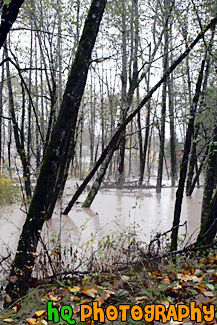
(112, 210)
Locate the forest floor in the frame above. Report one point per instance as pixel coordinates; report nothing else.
(190, 280)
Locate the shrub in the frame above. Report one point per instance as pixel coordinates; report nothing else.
(9, 189)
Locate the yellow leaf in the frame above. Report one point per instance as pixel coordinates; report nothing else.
(94, 290)
(40, 312)
(200, 287)
(74, 289)
(7, 316)
(54, 298)
(100, 301)
(31, 321)
(54, 253)
(87, 291)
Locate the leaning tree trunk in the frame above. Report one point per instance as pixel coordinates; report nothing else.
(100, 176)
(116, 136)
(57, 148)
(184, 164)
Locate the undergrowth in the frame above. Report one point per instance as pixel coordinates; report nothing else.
(9, 189)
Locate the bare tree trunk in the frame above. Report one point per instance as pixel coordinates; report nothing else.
(198, 172)
(147, 129)
(164, 98)
(18, 139)
(29, 137)
(100, 176)
(1, 111)
(184, 164)
(193, 157)
(121, 169)
(172, 131)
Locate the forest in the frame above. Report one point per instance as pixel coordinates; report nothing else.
(108, 118)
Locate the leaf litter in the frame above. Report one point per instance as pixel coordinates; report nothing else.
(164, 282)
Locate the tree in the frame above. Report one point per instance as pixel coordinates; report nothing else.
(55, 158)
(184, 163)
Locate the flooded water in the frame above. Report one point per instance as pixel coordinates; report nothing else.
(113, 210)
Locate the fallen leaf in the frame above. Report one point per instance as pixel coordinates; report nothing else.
(125, 278)
(208, 293)
(40, 313)
(8, 320)
(74, 289)
(210, 286)
(54, 298)
(109, 292)
(100, 301)
(200, 287)
(141, 298)
(31, 321)
(87, 291)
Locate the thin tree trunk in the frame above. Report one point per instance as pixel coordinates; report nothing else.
(1, 111)
(18, 141)
(193, 157)
(164, 98)
(184, 164)
(147, 129)
(97, 183)
(121, 169)
(198, 172)
(172, 131)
